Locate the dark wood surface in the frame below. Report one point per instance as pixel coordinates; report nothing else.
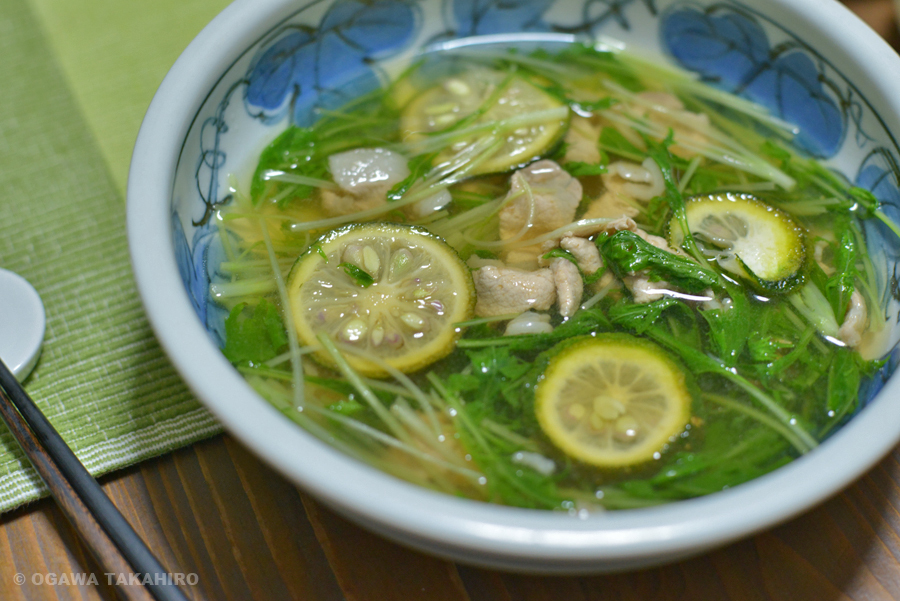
(32, 435)
(215, 514)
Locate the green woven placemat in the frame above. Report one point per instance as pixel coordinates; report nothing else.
(77, 77)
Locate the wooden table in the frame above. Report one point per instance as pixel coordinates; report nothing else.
(217, 515)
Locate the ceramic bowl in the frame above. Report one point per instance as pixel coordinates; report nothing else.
(263, 64)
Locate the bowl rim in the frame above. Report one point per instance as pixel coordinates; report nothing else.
(469, 531)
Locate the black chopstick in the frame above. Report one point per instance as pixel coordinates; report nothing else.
(110, 537)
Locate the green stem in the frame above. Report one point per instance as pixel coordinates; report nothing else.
(374, 402)
(761, 417)
(293, 343)
(714, 366)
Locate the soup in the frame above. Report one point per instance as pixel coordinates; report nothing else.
(561, 279)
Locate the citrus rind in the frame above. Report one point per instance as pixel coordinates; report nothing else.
(444, 105)
(612, 401)
(402, 314)
(748, 238)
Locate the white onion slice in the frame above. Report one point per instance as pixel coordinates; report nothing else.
(361, 168)
(529, 322)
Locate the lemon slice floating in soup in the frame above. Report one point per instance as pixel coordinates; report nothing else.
(748, 238)
(391, 291)
(512, 121)
(612, 401)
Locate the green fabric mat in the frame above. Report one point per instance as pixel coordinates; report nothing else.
(78, 77)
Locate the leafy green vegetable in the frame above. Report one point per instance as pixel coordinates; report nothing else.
(494, 369)
(613, 142)
(254, 337)
(587, 56)
(774, 151)
(347, 407)
(500, 373)
(659, 152)
(627, 253)
(419, 167)
(766, 349)
(647, 320)
(840, 285)
(581, 169)
(583, 322)
(362, 277)
(729, 325)
(843, 382)
(368, 121)
(295, 151)
(865, 200)
(559, 253)
(640, 317)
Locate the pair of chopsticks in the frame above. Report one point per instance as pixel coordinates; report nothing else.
(110, 537)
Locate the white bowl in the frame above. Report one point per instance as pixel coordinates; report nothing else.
(207, 119)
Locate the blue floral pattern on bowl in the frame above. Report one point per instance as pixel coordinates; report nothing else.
(327, 53)
(297, 69)
(729, 47)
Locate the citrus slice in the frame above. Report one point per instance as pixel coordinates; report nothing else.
(390, 291)
(747, 237)
(488, 97)
(612, 400)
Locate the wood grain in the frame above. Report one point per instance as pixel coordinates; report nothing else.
(879, 14)
(215, 511)
(68, 502)
(103, 530)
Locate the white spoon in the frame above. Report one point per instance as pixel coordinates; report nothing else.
(22, 320)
